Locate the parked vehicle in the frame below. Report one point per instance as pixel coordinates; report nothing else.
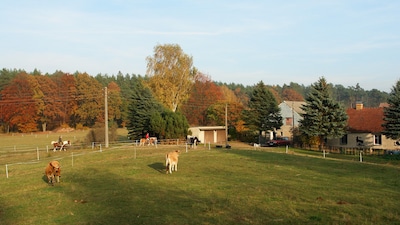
(281, 141)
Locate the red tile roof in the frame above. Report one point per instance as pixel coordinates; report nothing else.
(365, 120)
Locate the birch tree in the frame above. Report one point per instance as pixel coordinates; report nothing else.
(171, 75)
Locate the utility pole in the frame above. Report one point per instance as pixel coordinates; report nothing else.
(226, 124)
(105, 117)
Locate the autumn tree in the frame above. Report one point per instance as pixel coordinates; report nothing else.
(323, 117)
(203, 94)
(171, 75)
(21, 103)
(90, 100)
(229, 106)
(65, 97)
(289, 94)
(275, 93)
(52, 107)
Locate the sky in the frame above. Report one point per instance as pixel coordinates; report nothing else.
(348, 42)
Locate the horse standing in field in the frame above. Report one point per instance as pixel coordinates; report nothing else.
(171, 161)
(193, 141)
(53, 172)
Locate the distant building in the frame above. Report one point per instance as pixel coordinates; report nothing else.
(209, 134)
(291, 115)
(365, 130)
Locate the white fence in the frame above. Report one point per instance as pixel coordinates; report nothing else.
(39, 153)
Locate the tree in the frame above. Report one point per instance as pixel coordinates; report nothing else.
(289, 94)
(203, 94)
(263, 113)
(6, 76)
(52, 106)
(90, 100)
(141, 109)
(114, 102)
(171, 75)
(22, 101)
(391, 118)
(323, 117)
(176, 125)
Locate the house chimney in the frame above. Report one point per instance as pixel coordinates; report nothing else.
(359, 105)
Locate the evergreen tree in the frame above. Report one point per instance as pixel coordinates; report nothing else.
(141, 108)
(323, 117)
(263, 113)
(392, 114)
(176, 125)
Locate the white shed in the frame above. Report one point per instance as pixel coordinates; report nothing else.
(209, 134)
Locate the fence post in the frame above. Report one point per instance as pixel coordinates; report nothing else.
(361, 156)
(209, 147)
(37, 153)
(324, 153)
(7, 170)
(287, 149)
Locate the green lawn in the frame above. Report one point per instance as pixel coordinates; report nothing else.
(128, 185)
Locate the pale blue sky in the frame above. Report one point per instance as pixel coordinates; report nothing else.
(346, 41)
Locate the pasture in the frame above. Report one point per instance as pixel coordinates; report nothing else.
(128, 185)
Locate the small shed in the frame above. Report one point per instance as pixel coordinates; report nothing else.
(209, 134)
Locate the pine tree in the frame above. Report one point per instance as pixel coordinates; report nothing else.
(323, 117)
(392, 114)
(264, 113)
(142, 106)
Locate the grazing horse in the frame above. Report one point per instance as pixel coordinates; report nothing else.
(171, 161)
(53, 172)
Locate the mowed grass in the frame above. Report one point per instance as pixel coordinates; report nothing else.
(128, 185)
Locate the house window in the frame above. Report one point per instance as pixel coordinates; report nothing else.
(377, 139)
(289, 121)
(343, 140)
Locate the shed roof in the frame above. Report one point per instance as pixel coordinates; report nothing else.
(210, 128)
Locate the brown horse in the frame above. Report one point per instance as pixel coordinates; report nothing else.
(53, 172)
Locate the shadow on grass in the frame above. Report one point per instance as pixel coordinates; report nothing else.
(160, 167)
(44, 178)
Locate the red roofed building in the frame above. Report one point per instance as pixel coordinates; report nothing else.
(365, 130)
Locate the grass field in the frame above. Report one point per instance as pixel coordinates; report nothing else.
(128, 185)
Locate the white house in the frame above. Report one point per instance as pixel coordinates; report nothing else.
(290, 112)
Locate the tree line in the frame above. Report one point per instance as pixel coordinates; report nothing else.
(171, 97)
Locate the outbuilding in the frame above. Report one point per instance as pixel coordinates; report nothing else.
(209, 134)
